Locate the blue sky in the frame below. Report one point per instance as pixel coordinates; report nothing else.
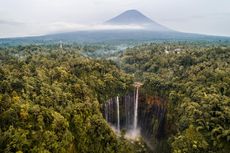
(37, 17)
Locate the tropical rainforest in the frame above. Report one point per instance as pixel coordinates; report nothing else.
(52, 98)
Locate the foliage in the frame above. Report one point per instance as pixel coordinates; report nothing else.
(195, 81)
(50, 101)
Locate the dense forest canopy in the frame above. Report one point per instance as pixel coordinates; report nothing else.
(50, 101)
(50, 97)
(196, 82)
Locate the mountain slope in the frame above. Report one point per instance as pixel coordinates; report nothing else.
(150, 31)
(134, 17)
(111, 36)
(130, 17)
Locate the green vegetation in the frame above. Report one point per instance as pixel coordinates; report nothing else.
(50, 102)
(195, 80)
(50, 98)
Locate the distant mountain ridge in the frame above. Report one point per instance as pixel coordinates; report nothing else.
(134, 17)
(151, 31)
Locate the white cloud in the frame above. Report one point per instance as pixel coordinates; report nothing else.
(63, 27)
(32, 29)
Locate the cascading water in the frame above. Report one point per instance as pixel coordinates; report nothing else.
(118, 115)
(135, 109)
(122, 112)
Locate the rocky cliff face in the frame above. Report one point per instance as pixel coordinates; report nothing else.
(152, 118)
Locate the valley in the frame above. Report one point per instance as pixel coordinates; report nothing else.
(102, 77)
(151, 98)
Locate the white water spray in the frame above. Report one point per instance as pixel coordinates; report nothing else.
(136, 110)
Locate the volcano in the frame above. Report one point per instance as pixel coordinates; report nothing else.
(130, 17)
(134, 17)
(121, 30)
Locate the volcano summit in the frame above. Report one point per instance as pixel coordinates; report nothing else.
(134, 17)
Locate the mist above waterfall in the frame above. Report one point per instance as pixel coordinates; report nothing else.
(133, 134)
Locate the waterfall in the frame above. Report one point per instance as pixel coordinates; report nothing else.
(122, 112)
(135, 109)
(118, 114)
